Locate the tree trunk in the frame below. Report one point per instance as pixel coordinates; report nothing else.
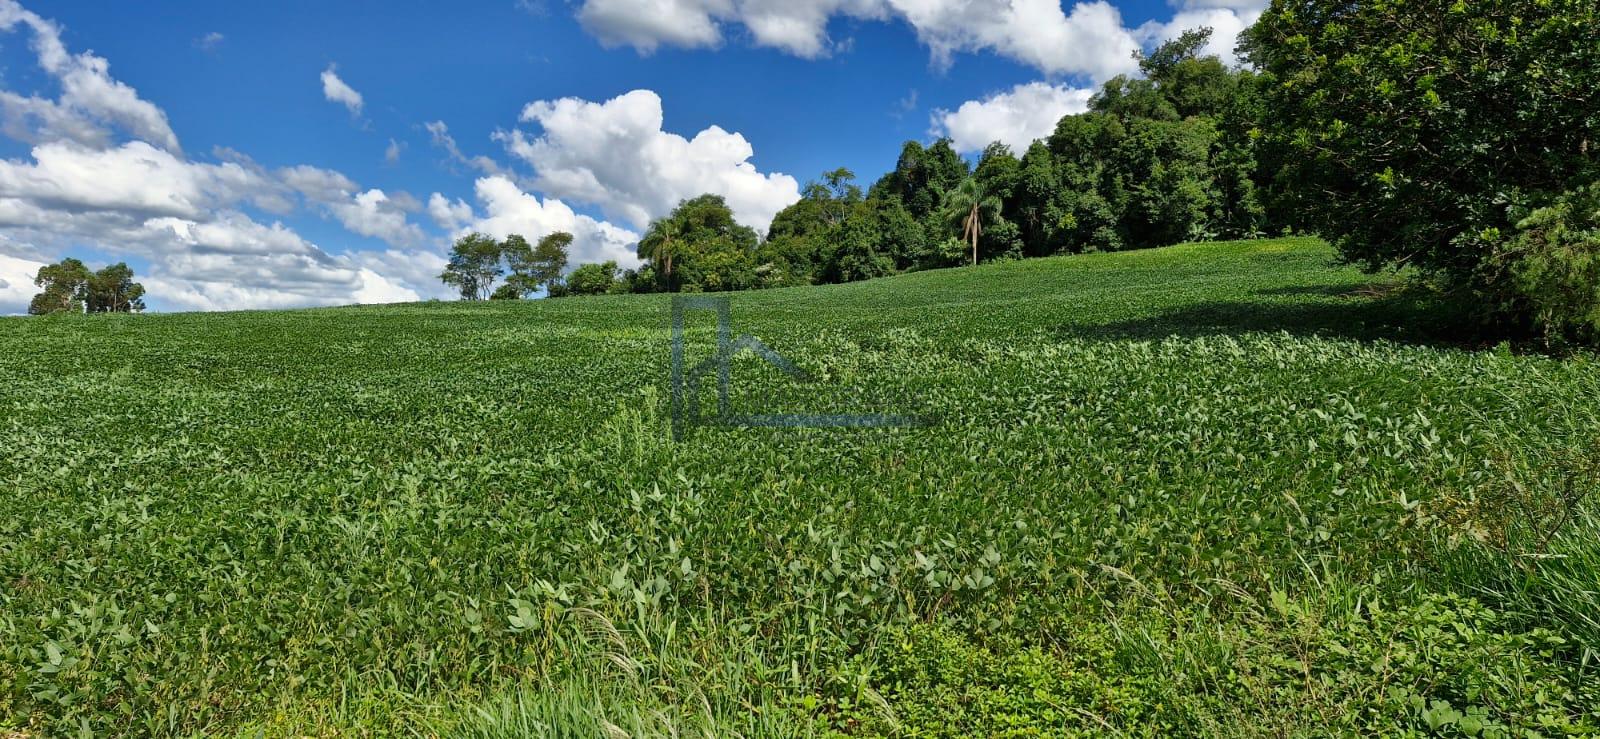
(972, 228)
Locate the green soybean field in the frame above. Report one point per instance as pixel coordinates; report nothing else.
(1206, 490)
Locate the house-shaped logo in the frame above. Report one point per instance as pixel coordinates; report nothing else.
(686, 381)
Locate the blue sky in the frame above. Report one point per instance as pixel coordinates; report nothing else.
(246, 155)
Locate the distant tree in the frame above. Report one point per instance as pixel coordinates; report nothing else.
(841, 188)
(592, 279)
(474, 266)
(1000, 174)
(855, 248)
(1034, 205)
(534, 267)
(706, 248)
(112, 290)
(65, 283)
(922, 177)
(1178, 82)
(969, 207)
(660, 246)
(1168, 192)
(520, 282)
(641, 280)
(801, 245)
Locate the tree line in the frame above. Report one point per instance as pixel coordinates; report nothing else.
(1158, 159)
(477, 261)
(70, 287)
(1467, 154)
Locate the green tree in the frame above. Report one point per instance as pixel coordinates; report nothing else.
(1093, 191)
(1421, 133)
(532, 268)
(922, 177)
(474, 266)
(969, 208)
(1166, 185)
(660, 245)
(65, 284)
(112, 290)
(1035, 206)
(1000, 173)
(592, 279)
(800, 243)
(854, 248)
(1554, 263)
(707, 249)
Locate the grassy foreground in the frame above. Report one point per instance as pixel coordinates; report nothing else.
(1206, 490)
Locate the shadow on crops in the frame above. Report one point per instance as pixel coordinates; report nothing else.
(1318, 310)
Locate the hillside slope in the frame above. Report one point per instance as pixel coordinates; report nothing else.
(1207, 489)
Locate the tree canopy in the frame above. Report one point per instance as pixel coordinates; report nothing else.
(69, 287)
(477, 260)
(700, 247)
(1426, 134)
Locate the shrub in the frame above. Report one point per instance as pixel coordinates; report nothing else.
(1554, 262)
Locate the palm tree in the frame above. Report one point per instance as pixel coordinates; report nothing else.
(659, 242)
(970, 205)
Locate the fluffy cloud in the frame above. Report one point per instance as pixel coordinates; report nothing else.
(450, 216)
(372, 213)
(615, 155)
(1015, 118)
(90, 99)
(508, 210)
(646, 24)
(399, 273)
(135, 178)
(1226, 19)
(105, 170)
(799, 28)
(1088, 39)
(336, 91)
(285, 269)
(16, 283)
(317, 184)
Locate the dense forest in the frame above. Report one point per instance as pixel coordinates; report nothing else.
(1167, 157)
(1467, 156)
(1173, 155)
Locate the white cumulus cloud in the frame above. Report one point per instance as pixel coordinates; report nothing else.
(1089, 39)
(336, 91)
(372, 213)
(105, 170)
(615, 155)
(1082, 38)
(90, 99)
(508, 210)
(799, 28)
(1226, 19)
(1015, 117)
(450, 216)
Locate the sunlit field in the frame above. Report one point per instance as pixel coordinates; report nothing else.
(1202, 490)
